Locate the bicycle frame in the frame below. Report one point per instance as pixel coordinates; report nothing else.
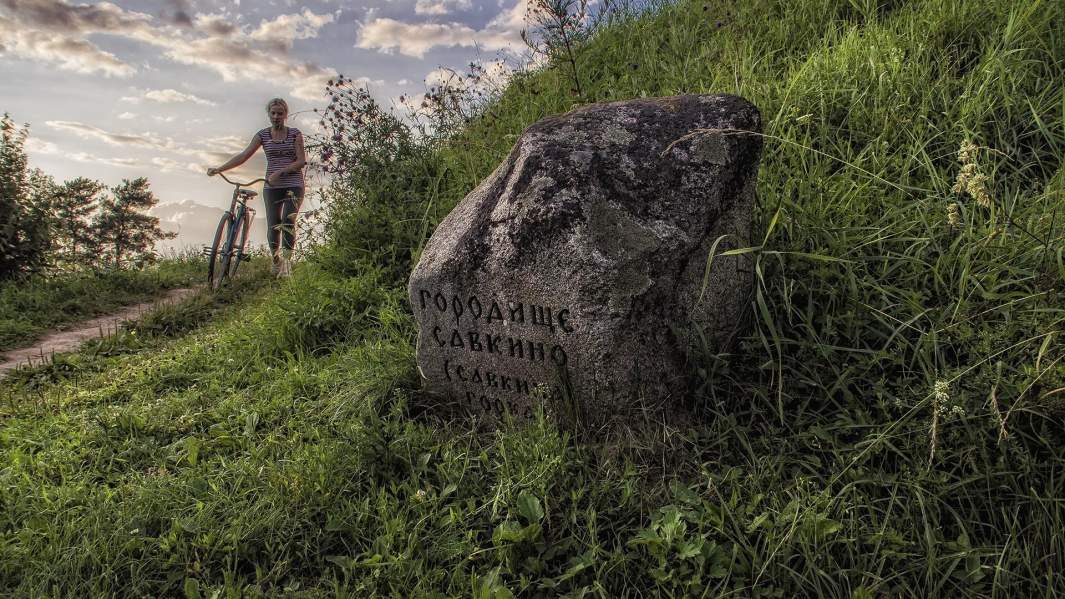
(235, 224)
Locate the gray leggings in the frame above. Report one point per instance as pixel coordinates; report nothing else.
(282, 205)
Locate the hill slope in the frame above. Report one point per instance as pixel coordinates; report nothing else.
(888, 428)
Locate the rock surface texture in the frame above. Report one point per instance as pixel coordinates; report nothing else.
(576, 274)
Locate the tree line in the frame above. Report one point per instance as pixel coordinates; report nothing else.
(73, 225)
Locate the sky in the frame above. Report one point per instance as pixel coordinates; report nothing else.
(165, 89)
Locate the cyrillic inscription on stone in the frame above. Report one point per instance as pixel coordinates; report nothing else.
(496, 355)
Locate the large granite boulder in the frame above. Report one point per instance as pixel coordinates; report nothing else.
(576, 274)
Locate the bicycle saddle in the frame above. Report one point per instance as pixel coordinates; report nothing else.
(248, 193)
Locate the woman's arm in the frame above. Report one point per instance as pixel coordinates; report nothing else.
(239, 159)
(301, 157)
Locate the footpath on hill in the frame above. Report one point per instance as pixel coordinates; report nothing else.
(72, 336)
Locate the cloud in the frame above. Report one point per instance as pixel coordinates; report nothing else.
(216, 25)
(412, 39)
(116, 139)
(178, 13)
(415, 39)
(194, 223)
(237, 60)
(55, 31)
(125, 116)
(69, 54)
(441, 7)
(37, 146)
(168, 165)
(59, 17)
(169, 96)
(284, 29)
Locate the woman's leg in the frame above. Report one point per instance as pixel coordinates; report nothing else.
(273, 199)
(289, 211)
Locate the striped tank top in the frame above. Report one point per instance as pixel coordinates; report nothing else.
(280, 154)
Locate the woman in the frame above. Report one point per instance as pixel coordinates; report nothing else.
(283, 192)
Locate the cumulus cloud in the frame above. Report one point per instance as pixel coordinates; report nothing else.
(285, 29)
(125, 116)
(441, 7)
(68, 53)
(57, 32)
(236, 60)
(59, 17)
(170, 96)
(415, 39)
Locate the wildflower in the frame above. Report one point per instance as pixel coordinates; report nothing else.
(971, 180)
(953, 215)
(941, 395)
(420, 495)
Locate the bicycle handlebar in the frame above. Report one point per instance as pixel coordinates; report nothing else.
(248, 184)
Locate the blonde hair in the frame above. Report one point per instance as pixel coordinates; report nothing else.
(277, 102)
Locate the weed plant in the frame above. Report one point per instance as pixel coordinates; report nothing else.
(889, 427)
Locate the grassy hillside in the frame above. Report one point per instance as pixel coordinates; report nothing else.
(888, 428)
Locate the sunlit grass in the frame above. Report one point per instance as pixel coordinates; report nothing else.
(888, 428)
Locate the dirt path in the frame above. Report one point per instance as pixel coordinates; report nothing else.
(59, 341)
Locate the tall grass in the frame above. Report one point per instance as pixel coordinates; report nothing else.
(888, 428)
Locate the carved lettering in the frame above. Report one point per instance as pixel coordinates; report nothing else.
(504, 382)
(521, 386)
(423, 295)
(475, 312)
(500, 408)
(440, 301)
(491, 379)
(563, 316)
(456, 339)
(536, 349)
(476, 378)
(542, 316)
(475, 342)
(493, 343)
(446, 373)
(456, 306)
(516, 344)
(494, 313)
(459, 373)
(519, 310)
(558, 355)
(436, 336)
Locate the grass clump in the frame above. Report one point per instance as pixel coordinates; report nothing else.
(888, 428)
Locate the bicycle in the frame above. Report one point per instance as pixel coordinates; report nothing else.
(235, 223)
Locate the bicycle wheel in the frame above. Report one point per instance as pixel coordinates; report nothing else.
(241, 238)
(218, 259)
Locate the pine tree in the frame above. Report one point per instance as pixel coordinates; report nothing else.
(124, 230)
(74, 202)
(24, 232)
